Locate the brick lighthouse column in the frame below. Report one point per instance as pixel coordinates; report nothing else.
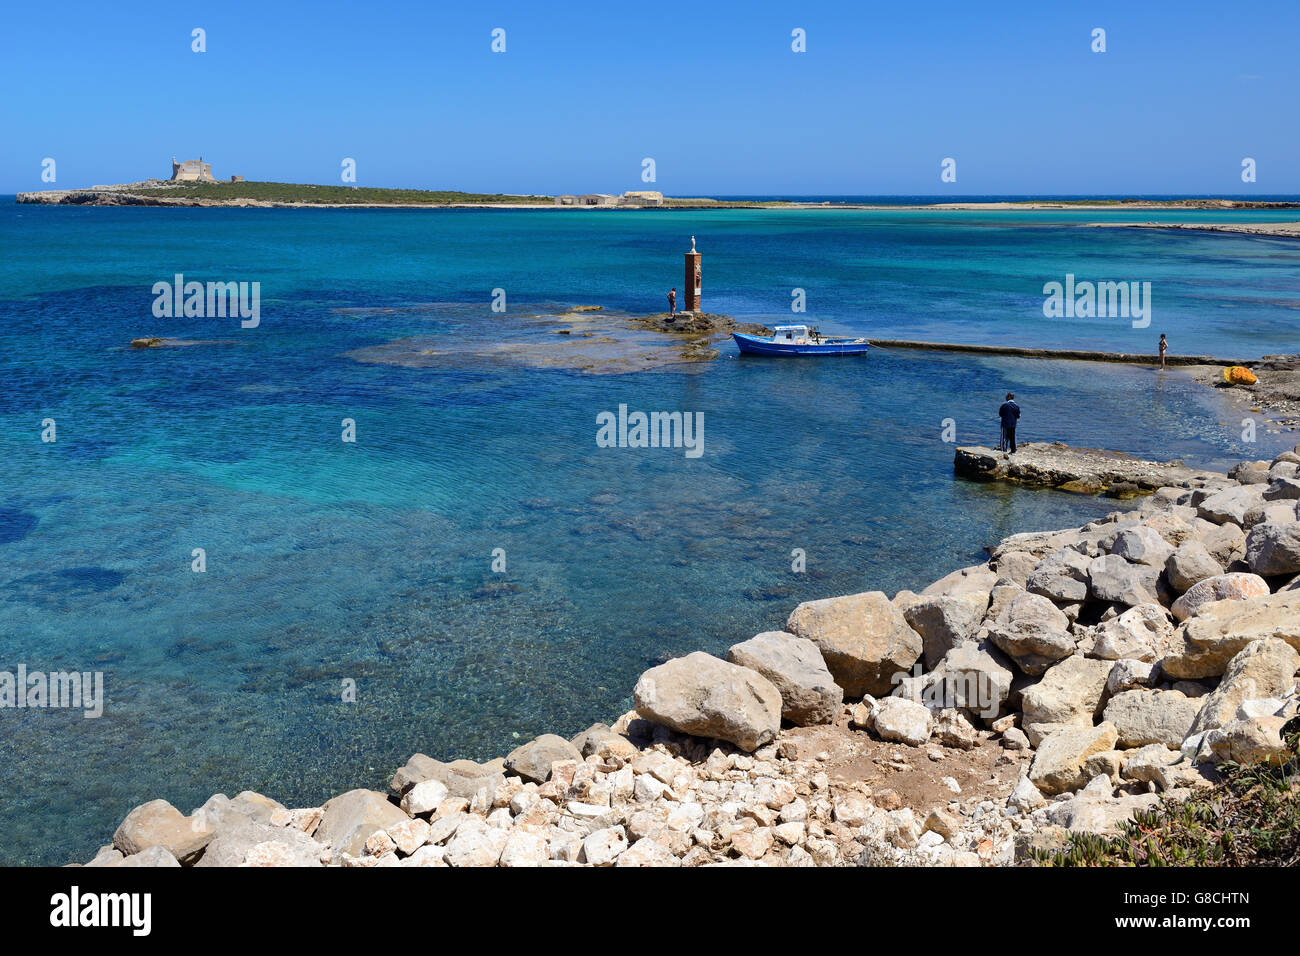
(692, 282)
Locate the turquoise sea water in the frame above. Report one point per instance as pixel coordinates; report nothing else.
(371, 561)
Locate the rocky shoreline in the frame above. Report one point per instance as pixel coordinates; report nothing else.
(1074, 678)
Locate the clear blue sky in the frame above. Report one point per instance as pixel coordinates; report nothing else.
(713, 93)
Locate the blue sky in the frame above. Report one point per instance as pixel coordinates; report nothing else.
(714, 93)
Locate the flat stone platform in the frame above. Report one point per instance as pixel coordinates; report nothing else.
(1082, 470)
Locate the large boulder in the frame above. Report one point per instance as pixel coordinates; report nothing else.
(1273, 548)
(974, 678)
(1035, 634)
(1141, 633)
(1070, 692)
(1141, 545)
(706, 697)
(1231, 504)
(1058, 765)
(350, 818)
(1143, 717)
(863, 638)
(1220, 631)
(976, 579)
(1249, 742)
(945, 620)
(1238, 586)
(1283, 489)
(895, 718)
(1061, 576)
(809, 695)
(159, 824)
(1263, 668)
(462, 778)
(533, 760)
(1189, 565)
(1116, 580)
(1225, 543)
(285, 845)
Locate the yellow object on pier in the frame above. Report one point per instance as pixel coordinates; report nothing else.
(1239, 375)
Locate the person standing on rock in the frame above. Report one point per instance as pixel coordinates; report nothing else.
(672, 301)
(1164, 347)
(1010, 414)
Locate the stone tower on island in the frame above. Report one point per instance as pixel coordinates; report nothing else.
(192, 171)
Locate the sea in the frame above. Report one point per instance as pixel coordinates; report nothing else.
(274, 607)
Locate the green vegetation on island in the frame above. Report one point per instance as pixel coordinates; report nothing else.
(326, 195)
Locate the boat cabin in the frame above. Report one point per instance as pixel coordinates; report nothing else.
(791, 335)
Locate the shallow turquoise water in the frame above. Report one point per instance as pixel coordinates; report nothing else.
(372, 561)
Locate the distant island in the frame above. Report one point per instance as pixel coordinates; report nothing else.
(192, 184)
(157, 192)
(239, 193)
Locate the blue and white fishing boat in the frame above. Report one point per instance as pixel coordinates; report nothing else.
(798, 340)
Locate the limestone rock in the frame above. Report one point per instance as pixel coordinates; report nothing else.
(1114, 579)
(1035, 635)
(1189, 565)
(1249, 742)
(809, 695)
(1237, 586)
(1231, 504)
(151, 857)
(1143, 717)
(1070, 692)
(973, 580)
(1221, 630)
(1062, 576)
(158, 823)
(1141, 545)
(1144, 763)
(701, 695)
(1273, 548)
(533, 760)
(945, 620)
(462, 778)
(1141, 633)
(895, 718)
(647, 852)
(280, 846)
(975, 678)
(1283, 489)
(1058, 765)
(349, 819)
(1129, 674)
(476, 844)
(1263, 668)
(863, 638)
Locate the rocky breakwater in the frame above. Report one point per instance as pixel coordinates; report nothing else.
(1084, 470)
(1074, 678)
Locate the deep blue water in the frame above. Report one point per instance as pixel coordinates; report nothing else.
(371, 561)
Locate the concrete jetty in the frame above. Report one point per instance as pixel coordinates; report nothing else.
(1079, 355)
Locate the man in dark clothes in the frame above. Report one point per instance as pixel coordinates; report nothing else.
(672, 301)
(1010, 414)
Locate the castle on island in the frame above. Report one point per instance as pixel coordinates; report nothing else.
(196, 171)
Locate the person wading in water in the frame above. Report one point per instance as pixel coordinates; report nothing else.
(1164, 347)
(1010, 414)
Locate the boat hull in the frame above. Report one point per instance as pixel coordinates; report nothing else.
(756, 345)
